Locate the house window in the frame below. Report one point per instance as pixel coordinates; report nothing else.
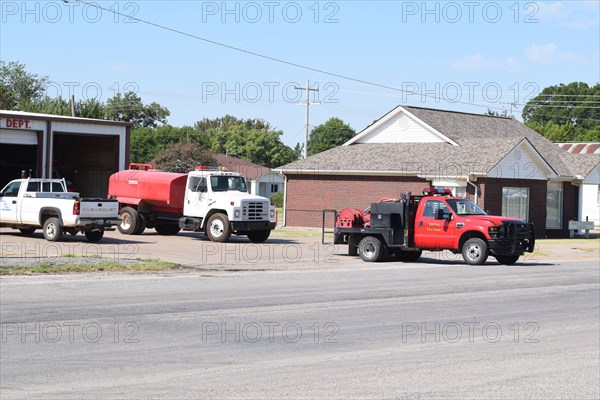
(515, 202)
(554, 201)
(274, 188)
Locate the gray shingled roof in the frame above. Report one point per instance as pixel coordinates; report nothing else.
(582, 164)
(483, 141)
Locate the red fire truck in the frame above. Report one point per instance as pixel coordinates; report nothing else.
(433, 221)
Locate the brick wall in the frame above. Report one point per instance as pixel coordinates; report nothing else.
(490, 192)
(309, 195)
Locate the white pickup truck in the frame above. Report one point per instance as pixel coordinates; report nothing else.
(30, 204)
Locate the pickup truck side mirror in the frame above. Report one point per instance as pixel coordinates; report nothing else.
(441, 215)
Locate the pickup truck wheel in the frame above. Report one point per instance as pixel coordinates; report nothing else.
(167, 229)
(27, 231)
(259, 236)
(218, 229)
(507, 260)
(53, 230)
(407, 256)
(94, 236)
(371, 249)
(130, 221)
(475, 251)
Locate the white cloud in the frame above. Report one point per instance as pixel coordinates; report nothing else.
(478, 61)
(549, 53)
(578, 15)
(545, 53)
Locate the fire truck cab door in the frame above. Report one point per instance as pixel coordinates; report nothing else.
(432, 233)
(196, 197)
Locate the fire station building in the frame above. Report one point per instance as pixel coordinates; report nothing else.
(83, 151)
(498, 162)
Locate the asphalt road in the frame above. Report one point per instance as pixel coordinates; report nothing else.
(393, 330)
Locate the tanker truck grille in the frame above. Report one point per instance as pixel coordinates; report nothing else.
(255, 211)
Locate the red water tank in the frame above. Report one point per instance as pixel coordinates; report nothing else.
(350, 217)
(163, 191)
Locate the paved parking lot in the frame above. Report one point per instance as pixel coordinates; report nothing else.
(285, 249)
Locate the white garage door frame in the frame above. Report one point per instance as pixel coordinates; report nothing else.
(10, 136)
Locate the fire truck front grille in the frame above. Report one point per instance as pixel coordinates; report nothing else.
(255, 211)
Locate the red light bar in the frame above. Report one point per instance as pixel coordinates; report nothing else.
(206, 168)
(434, 191)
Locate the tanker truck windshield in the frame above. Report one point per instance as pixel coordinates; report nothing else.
(225, 183)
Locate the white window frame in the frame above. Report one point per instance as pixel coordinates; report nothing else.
(516, 206)
(556, 189)
(276, 186)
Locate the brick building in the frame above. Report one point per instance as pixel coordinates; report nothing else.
(497, 162)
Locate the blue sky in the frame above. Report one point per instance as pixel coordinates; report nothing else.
(473, 54)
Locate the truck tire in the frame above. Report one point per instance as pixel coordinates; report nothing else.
(95, 235)
(259, 236)
(217, 228)
(27, 231)
(167, 229)
(475, 251)
(507, 260)
(407, 256)
(53, 230)
(130, 221)
(371, 249)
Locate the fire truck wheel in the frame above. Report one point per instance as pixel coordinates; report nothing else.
(371, 249)
(94, 236)
(217, 228)
(507, 260)
(259, 236)
(130, 221)
(27, 231)
(475, 251)
(407, 256)
(167, 229)
(53, 230)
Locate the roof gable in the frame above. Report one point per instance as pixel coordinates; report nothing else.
(522, 162)
(399, 126)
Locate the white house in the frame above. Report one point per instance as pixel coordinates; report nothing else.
(262, 181)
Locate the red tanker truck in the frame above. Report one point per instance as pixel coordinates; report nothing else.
(434, 221)
(207, 200)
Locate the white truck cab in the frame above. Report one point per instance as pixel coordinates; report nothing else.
(218, 202)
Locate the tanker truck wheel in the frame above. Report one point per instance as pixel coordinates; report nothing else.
(259, 236)
(218, 229)
(130, 221)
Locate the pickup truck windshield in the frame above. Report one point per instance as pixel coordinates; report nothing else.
(225, 183)
(465, 207)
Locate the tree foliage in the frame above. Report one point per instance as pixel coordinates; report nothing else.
(334, 132)
(148, 143)
(568, 112)
(130, 108)
(18, 88)
(182, 157)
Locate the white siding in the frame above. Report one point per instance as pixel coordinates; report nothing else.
(9, 136)
(402, 129)
(590, 206)
(521, 163)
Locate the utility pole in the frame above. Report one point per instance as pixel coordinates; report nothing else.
(73, 114)
(306, 125)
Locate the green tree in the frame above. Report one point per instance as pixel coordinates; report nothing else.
(333, 133)
(182, 157)
(19, 87)
(147, 143)
(494, 113)
(568, 112)
(129, 107)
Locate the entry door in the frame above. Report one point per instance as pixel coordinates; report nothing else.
(8, 203)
